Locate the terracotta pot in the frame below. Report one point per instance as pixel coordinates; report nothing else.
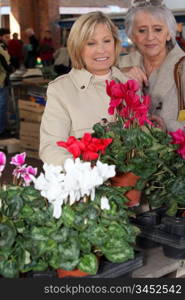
(71, 273)
(128, 179)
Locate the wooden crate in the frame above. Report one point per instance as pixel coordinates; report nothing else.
(30, 117)
(29, 143)
(30, 106)
(29, 129)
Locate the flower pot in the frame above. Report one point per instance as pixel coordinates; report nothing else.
(128, 179)
(174, 225)
(71, 273)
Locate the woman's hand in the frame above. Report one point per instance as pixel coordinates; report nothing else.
(158, 121)
(137, 74)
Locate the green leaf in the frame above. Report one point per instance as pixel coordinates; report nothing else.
(89, 264)
(68, 215)
(9, 269)
(7, 235)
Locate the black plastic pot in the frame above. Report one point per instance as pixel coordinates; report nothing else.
(174, 226)
(151, 218)
(146, 243)
(173, 252)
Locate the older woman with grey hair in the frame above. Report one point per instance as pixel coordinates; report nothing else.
(152, 28)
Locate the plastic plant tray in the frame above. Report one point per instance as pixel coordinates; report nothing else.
(115, 270)
(159, 233)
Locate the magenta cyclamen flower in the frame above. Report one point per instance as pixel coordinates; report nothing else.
(127, 103)
(178, 138)
(2, 162)
(28, 173)
(18, 159)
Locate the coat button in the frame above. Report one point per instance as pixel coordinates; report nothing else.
(82, 87)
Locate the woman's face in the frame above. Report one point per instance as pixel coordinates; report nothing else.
(150, 34)
(98, 54)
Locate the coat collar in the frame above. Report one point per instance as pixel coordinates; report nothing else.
(82, 78)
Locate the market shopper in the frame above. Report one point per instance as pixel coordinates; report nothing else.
(5, 69)
(32, 49)
(78, 100)
(15, 49)
(152, 28)
(46, 49)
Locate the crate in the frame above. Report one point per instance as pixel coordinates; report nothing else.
(30, 106)
(29, 129)
(10, 145)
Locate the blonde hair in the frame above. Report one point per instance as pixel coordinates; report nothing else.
(80, 32)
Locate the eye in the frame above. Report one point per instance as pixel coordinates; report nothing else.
(158, 29)
(90, 43)
(142, 30)
(107, 41)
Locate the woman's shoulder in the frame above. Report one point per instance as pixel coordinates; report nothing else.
(62, 79)
(129, 60)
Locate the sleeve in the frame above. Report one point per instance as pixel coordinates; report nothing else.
(173, 125)
(55, 126)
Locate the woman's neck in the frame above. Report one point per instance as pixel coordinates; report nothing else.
(152, 63)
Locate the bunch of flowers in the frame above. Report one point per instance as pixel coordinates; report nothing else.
(22, 174)
(88, 148)
(75, 181)
(126, 103)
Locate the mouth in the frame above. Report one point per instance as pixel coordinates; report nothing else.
(150, 46)
(101, 58)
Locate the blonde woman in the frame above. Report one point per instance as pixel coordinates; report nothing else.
(78, 100)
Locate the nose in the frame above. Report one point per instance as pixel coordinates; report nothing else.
(100, 47)
(150, 34)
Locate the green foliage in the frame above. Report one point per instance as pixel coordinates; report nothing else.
(148, 153)
(31, 239)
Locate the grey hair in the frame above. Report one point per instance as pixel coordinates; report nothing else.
(163, 13)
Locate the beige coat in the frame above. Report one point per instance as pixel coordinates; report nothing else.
(162, 88)
(2, 70)
(75, 102)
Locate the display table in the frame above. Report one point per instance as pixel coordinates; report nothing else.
(158, 265)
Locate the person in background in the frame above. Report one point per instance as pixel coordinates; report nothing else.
(15, 49)
(77, 100)
(5, 69)
(152, 28)
(46, 49)
(62, 64)
(32, 49)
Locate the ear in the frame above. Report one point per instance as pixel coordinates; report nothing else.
(168, 37)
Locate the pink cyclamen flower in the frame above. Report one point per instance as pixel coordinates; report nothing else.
(18, 159)
(2, 162)
(178, 138)
(28, 174)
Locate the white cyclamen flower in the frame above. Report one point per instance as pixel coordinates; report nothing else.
(105, 203)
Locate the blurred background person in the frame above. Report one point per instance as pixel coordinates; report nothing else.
(62, 63)
(5, 69)
(15, 49)
(31, 49)
(46, 49)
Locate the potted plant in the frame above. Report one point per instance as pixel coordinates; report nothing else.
(68, 224)
(140, 147)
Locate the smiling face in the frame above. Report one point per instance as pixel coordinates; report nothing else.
(150, 34)
(98, 53)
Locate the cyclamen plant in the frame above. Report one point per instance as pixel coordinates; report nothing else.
(75, 181)
(22, 174)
